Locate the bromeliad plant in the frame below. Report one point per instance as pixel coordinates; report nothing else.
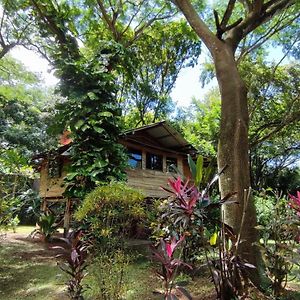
(164, 254)
(76, 262)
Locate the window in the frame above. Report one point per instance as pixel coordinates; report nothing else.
(154, 162)
(171, 163)
(135, 158)
(55, 165)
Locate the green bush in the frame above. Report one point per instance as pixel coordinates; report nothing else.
(109, 275)
(264, 204)
(278, 230)
(112, 210)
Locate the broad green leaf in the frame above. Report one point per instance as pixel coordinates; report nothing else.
(105, 114)
(98, 129)
(78, 124)
(199, 170)
(100, 163)
(192, 166)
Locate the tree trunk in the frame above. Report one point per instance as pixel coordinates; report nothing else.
(233, 152)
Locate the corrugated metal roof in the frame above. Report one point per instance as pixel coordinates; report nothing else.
(165, 134)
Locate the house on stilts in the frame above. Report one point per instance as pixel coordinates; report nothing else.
(152, 151)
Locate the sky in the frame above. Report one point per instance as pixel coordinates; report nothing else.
(187, 85)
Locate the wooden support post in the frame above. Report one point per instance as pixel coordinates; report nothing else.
(67, 217)
(44, 205)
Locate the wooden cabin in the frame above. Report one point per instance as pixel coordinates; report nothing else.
(152, 150)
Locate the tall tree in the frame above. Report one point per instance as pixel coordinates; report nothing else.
(239, 19)
(274, 105)
(15, 26)
(24, 110)
(158, 56)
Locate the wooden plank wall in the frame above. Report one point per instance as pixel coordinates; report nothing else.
(51, 187)
(149, 181)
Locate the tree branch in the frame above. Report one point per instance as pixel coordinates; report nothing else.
(201, 29)
(109, 22)
(228, 13)
(292, 118)
(258, 15)
(273, 30)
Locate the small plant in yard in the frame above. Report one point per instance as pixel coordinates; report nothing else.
(164, 254)
(47, 226)
(75, 263)
(109, 275)
(111, 211)
(229, 272)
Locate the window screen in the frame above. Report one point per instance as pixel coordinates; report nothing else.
(154, 162)
(171, 162)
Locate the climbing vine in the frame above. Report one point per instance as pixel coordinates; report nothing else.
(89, 110)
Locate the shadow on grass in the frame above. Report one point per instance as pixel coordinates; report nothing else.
(27, 274)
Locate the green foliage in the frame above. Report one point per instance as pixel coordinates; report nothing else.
(8, 213)
(110, 275)
(111, 211)
(24, 110)
(201, 127)
(264, 204)
(15, 182)
(274, 125)
(47, 226)
(156, 59)
(16, 26)
(278, 230)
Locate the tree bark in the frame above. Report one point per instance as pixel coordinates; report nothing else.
(233, 152)
(233, 147)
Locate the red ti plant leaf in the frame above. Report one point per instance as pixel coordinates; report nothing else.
(294, 203)
(186, 196)
(164, 255)
(172, 245)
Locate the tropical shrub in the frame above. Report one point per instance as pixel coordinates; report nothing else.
(185, 213)
(75, 262)
(279, 238)
(109, 275)
(264, 204)
(8, 213)
(164, 254)
(111, 211)
(47, 226)
(15, 181)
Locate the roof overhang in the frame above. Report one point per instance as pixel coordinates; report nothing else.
(167, 136)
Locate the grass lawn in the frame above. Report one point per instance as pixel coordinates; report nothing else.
(28, 270)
